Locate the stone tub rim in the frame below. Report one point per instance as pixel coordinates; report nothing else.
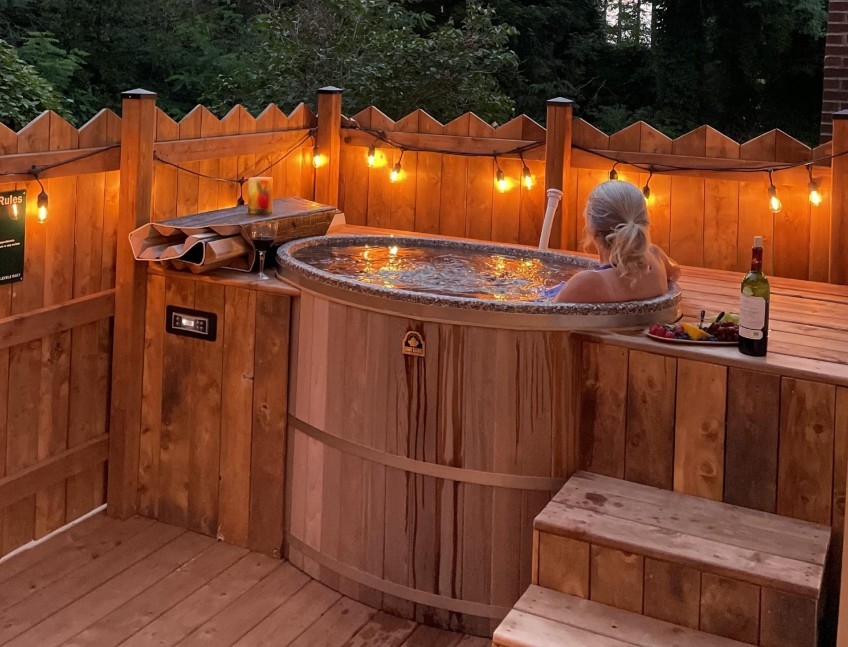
(465, 310)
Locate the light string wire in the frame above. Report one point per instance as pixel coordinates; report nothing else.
(242, 178)
(34, 171)
(383, 137)
(671, 168)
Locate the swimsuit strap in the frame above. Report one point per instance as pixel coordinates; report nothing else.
(607, 266)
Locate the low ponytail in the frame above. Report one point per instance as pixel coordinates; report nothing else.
(628, 245)
(616, 212)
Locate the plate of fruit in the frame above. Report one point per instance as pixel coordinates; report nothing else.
(722, 330)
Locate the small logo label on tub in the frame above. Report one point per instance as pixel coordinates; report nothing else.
(413, 344)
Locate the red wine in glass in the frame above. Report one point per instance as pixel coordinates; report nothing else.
(263, 243)
(262, 235)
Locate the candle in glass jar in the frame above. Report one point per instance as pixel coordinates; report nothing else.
(259, 195)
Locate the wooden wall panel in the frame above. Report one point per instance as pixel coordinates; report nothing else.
(753, 419)
(239, 350)
(602, 408)
(213, 441)
(206, 404)
(805, 467)
(616, 578)
(672, 593)
(649, 456)
(699, 429)
(60, 396)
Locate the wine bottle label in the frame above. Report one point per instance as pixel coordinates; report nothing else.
(752, 317)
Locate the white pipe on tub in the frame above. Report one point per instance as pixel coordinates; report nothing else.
(554, 198)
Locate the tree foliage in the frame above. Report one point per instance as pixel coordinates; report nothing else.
(743, 66)
(23, 93)
(381, 53)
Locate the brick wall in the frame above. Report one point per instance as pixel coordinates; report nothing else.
(835, 95)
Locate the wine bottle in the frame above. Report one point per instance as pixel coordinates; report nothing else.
(754, 306)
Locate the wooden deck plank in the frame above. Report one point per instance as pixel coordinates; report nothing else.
(473, 641)
(332, 629)
(133, 615)
(731, 525)
(613, 624)
(142, 582)
(521, 629)
(29, 612)
(203, 604)
(86, 531)
(431, 637)
(659, 543)
(249, 610)
(383, 630)
(292, 618)
(91, 607)
(53, 566)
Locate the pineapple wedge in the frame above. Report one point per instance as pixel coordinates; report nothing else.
(694, 332)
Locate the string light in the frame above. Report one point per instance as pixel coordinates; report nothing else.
(372, 156)
(527, 178)
(613, 174)
(813, 186)
(42, 200)
(500, 179)
(774, 202)
(395, 175)
(646, 190)
(318, 159)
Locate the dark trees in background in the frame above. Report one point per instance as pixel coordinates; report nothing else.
(743, 66)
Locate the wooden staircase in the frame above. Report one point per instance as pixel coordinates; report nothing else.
(621, 564)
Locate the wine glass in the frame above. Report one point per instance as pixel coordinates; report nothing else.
(262, 235)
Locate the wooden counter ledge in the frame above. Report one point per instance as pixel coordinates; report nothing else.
(233, 278)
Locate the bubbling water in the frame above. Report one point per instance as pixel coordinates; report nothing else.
(447, 272)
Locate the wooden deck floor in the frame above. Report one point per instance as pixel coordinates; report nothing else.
(144, 583)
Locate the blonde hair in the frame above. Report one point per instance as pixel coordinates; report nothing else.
(616, 212)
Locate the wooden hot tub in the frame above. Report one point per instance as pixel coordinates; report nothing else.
(414, 481)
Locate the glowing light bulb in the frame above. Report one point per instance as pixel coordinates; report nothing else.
(774, 202)
(815, 196)
(372, 156)
(527, 178)
(394, 176)
(613, 174)
(500, 182)
(646, 191)
(42, 201)
(393, 250)
(318, 159)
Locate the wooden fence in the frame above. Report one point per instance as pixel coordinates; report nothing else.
(704, 218)
(63, 385)
(56, 332)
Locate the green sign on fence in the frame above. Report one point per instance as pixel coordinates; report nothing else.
(12, 228)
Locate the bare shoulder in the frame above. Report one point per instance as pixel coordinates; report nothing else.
(587, 286)
(672, 269)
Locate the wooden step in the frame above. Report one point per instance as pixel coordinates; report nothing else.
(734, 572)
(546, 618)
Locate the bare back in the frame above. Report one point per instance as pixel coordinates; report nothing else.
(608, 286)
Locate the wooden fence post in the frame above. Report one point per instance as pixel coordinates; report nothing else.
(557, 167)
(838, 265)
(138, 131)
(329, 143)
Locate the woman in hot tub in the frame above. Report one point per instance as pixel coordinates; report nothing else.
(631, 267)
